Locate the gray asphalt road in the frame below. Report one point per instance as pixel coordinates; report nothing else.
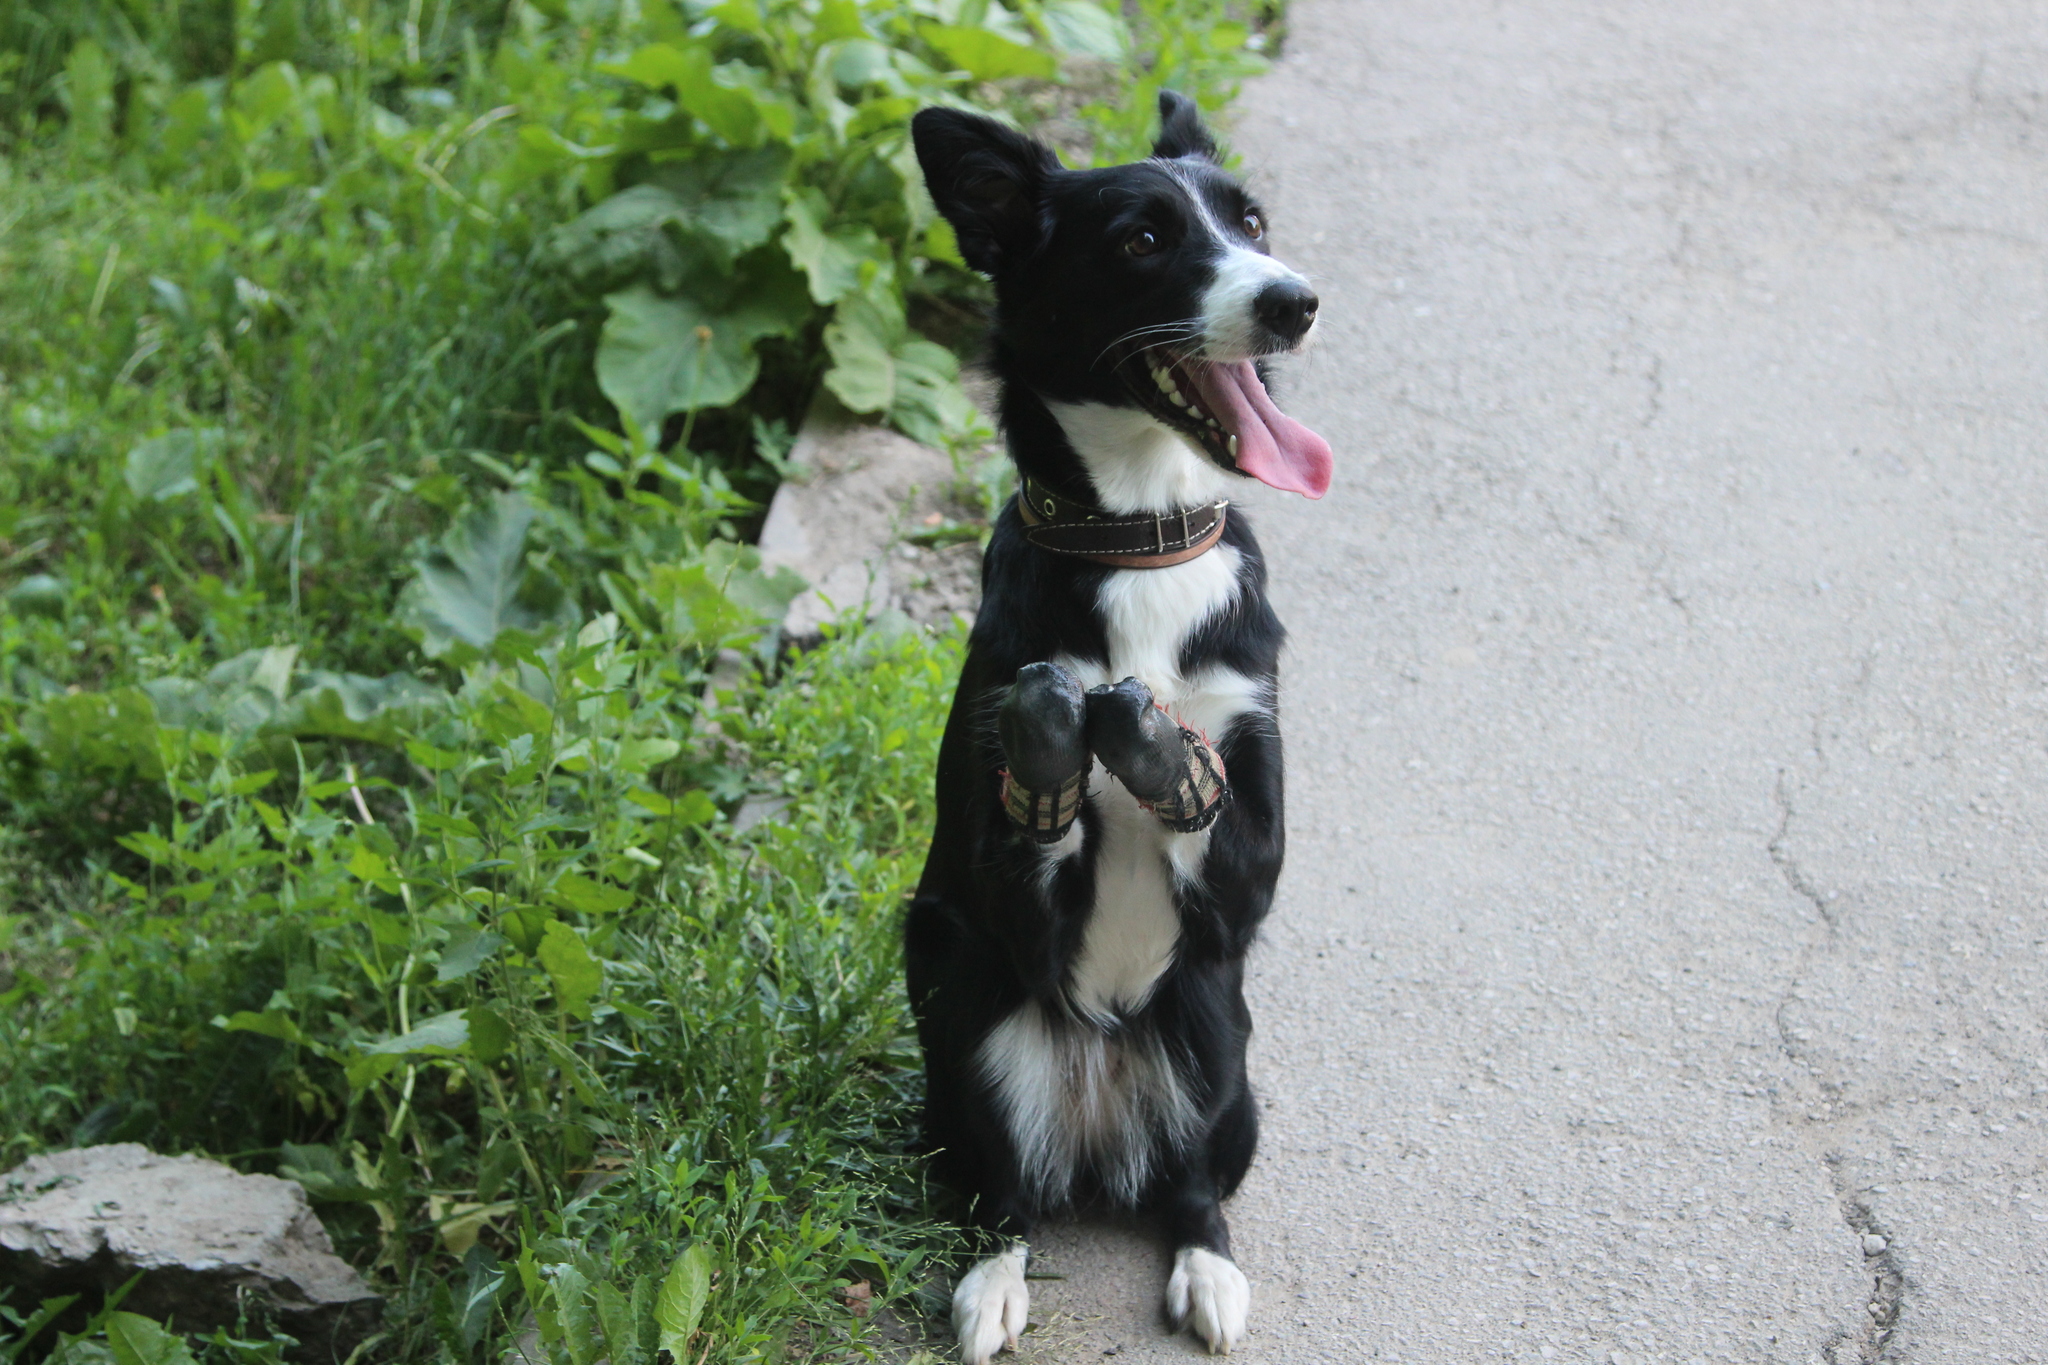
(1659, 971)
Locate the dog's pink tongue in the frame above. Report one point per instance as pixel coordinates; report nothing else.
(1271, 446)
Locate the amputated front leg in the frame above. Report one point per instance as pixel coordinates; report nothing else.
(1041, 728)
(1171, 769)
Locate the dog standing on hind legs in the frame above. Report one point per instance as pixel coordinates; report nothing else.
(1109, 785)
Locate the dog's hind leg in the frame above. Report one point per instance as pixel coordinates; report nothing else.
(1171, 769)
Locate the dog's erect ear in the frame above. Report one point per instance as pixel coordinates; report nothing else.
(986, 179)
(1181, 131)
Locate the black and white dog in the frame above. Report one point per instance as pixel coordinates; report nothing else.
(1109, 826)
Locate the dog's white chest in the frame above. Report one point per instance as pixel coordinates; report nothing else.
(1133, 926)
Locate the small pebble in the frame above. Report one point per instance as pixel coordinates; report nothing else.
(1874, 1245)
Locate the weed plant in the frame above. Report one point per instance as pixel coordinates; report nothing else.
(389, 702)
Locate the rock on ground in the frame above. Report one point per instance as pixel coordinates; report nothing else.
(211, 1244)
(845, 524)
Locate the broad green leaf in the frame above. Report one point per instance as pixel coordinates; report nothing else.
(39, 594)
(433, 759)
(136, 1340)
(879, 365)
(115, 732)
(860, 62)
(941, 243)
(352, 706)
(680, 1308)
(202, 704)
(1085, 29)
(467, 952)
(615, 1319)
(638, 755)
(695, 610)
(745, 15)
(831, 257)
(726, 598)
(693, 807)
(323, 1174)
(271, 1024)
(663, 355)
(988, 56)
(883, 113)
(772, 109)
(368, 865)
(460, 1224)
(170, 465)
(929, 404)
(469, 589)
(588, 896)
(729, 102)
(634, 231)
(737, 570)
(862, 341)
(837, 19)
(442, 1033)
(735, 198)
(268, 670)
(490, 1037)
(263, 98)
(568, 963)
(579, 1320)
(663, 65)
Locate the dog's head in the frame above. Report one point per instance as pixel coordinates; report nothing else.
(1142, 286)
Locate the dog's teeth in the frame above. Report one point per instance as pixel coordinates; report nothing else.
(1164, 380)
(1233, 446)
(1175, 399)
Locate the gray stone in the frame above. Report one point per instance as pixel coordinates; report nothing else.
(842, 522)
(210, 1244)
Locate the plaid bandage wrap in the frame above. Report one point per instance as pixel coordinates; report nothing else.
(1043, 817)
(1195, 804)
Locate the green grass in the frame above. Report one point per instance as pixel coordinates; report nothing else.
(362, 814)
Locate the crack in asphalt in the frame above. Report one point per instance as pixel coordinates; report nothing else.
(1887, 1281)
(1870, 1342)
(1788, 866)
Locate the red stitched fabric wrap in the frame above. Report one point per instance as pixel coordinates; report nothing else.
(1201, 796)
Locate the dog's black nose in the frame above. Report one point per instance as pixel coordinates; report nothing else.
(1286, 308)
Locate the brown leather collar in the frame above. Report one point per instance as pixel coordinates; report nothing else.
(1067, 526)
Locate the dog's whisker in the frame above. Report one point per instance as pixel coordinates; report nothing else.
(1185, 329)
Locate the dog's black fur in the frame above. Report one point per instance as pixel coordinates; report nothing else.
(991, 930)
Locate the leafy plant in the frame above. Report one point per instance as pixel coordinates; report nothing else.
(388, 394)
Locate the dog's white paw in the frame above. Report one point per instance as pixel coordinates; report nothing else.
(990, 1304)
(1209, 1294)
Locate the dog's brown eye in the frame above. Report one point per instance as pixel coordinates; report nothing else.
(1142, 243)
(1254, 226)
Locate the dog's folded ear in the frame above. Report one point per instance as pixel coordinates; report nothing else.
(986, 179)
(1181, 130)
